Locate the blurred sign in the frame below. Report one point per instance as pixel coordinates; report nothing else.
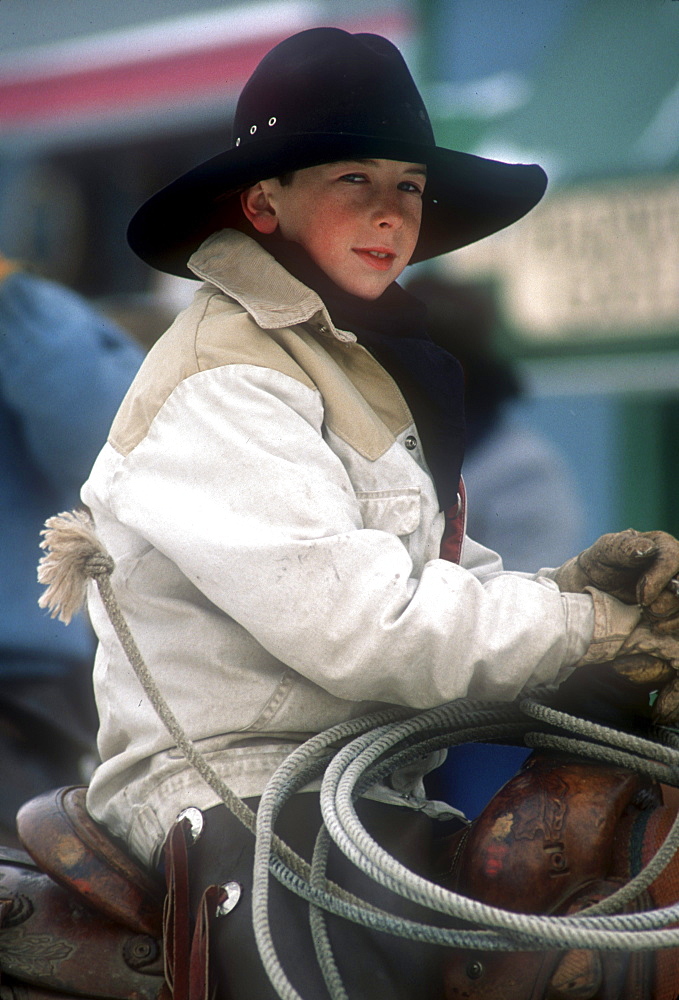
(594, 263)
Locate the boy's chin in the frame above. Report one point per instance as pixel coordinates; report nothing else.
(369, 296)
(365, 289)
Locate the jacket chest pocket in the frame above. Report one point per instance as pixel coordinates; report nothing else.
(396, 511)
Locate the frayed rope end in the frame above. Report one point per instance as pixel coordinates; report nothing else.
(73, 555)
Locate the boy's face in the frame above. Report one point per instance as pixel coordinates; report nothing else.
(359, 220)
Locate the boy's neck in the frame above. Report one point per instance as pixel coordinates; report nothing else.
(297, 261)
(395, 313)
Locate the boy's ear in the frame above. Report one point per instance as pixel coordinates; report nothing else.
(259, 209)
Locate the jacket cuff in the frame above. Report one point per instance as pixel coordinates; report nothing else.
(613, 623)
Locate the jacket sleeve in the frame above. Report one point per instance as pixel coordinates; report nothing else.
(235, 483)
(64, 368)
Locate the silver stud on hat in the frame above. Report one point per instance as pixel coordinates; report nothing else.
(238, 141)
(253, 129)
(272, 121)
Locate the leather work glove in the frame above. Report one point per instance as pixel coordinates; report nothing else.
(636, 567)
(648, 656)
(666, 707)
(636, 650)
(651, 657)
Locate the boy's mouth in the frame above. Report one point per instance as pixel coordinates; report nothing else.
(378, 257)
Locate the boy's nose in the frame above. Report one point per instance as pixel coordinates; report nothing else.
(388, 212)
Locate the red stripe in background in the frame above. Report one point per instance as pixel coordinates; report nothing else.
(161, 80)
(179, 77)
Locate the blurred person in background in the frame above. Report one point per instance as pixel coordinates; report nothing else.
(147, 315)
(523, 500)
(64, 368)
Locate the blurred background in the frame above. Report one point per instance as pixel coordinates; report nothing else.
(102, 103)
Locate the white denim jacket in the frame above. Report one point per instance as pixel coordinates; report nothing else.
(276, 537)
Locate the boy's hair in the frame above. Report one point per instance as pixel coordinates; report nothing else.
(286, 179)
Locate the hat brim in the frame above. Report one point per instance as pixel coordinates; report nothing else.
(467, 197)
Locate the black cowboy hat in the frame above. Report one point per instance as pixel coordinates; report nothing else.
(324, 95)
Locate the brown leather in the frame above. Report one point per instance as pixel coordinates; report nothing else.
(550, 842)
(176, 912)
(453, 535)
(581, 974)
(78, 915)
(199, 963)
(548, 830)
(24, 991)
(559, 836)
(187, 948)
(76, 852)
(647, 836)
(49, 939)
(585, 973)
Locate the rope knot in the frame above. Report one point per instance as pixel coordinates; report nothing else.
(99, 564)
(73, 555)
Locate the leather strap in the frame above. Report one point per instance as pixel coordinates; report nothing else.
(453, 534)
(177, 912)
(199, 963)
(187, 947)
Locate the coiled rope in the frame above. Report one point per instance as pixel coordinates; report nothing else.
(353, 756)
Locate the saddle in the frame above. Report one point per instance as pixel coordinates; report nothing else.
(79, 918)
(561, 835)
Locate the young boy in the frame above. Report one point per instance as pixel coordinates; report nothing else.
(289, 541)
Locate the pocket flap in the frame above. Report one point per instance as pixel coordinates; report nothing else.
(396, 511)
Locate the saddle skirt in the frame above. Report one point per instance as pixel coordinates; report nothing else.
(561, 835)
(78, 917)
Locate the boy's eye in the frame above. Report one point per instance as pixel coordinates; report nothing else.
(410, 187)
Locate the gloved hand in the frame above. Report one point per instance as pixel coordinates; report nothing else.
(648, 656)
(666, 707)
(636, 650)
(651, 657)
(636, 567)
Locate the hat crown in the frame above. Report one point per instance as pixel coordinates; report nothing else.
(327, 81)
